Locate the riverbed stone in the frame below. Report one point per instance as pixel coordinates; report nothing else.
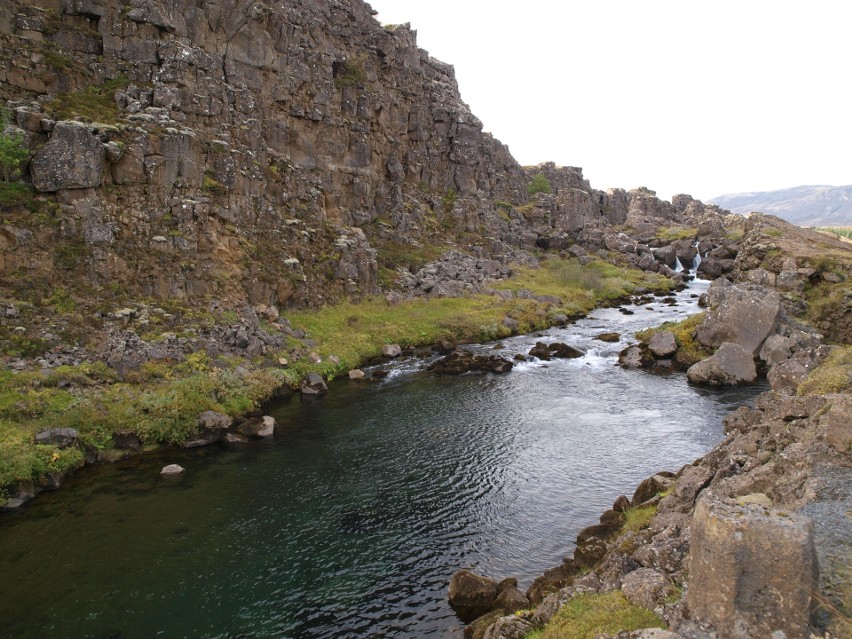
(751, 569)
(313, 384)
(730, 365)
(257, 427)
(471, 595)
(609, 337)
(357, 373)
(172, 469)
(391, 350)
(635, 357)
(462, 361)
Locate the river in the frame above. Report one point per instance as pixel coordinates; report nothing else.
(351, 520)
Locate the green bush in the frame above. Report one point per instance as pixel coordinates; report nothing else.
(539, 184)
(13, 153)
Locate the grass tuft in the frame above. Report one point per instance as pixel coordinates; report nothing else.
(591, 615)
(834, 375)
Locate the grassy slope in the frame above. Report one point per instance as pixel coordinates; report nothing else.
(161, 401)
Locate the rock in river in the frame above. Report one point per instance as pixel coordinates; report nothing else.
(462, 361)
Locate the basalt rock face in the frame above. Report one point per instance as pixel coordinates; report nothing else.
(271, 155)
(242, 135)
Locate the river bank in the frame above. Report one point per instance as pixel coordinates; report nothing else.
(121, 410)
(751, 539)
(353, 517)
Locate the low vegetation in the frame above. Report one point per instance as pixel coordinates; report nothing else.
(590, 615)
(93, 104)
(839, 231)
(539, 184)
(672, 233)
(834, 375)
(689, 351)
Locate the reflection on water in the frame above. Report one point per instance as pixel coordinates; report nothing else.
(352, 520)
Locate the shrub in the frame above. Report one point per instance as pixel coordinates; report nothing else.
(13, 153)
(539, 184)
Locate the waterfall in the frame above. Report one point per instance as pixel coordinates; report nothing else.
(696, 261)
(678, 266)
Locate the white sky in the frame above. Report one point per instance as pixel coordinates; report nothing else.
(681, 96)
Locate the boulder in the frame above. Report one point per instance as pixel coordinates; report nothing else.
(646, 587)
(357, 373)
(662, 344)
(650, 488)
(730, 365)
(73, 158)
(776, 349)
(462, 361)
(556, 349)
(609, 337)
(172, 469)
(635, 357)
(257, 427)
(59, 437)
(751, 570)
(743, 314)
(509, 627)
(391, 350)
(836, 423)
(313, 384)
(211, 428)
(471, 595)
(511, 600)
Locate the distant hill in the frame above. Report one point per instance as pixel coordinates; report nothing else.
(801, 205)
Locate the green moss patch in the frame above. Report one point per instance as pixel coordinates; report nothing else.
(834, 375)
(689, 351)
(588, 616)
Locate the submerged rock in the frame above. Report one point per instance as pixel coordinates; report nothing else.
(257, 427)
(461, 361)
(172, 469)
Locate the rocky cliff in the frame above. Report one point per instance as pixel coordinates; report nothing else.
(257, 152)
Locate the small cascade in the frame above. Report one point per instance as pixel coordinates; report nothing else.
(696, 261)
(678, 266)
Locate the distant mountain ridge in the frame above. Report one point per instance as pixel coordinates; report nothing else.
(802, 205)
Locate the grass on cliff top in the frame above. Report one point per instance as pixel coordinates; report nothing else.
(591, 615)
(689, 351)
(834, 375)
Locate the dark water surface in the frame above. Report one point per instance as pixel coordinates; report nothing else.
(350, 523)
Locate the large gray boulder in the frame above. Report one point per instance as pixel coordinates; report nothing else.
(744, 314)
(751, 570)
(73, 158)
(662, 344)
(646, 587)
(314, 384)
(730, 365)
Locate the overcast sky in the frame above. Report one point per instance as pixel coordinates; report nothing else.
(704, 98)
